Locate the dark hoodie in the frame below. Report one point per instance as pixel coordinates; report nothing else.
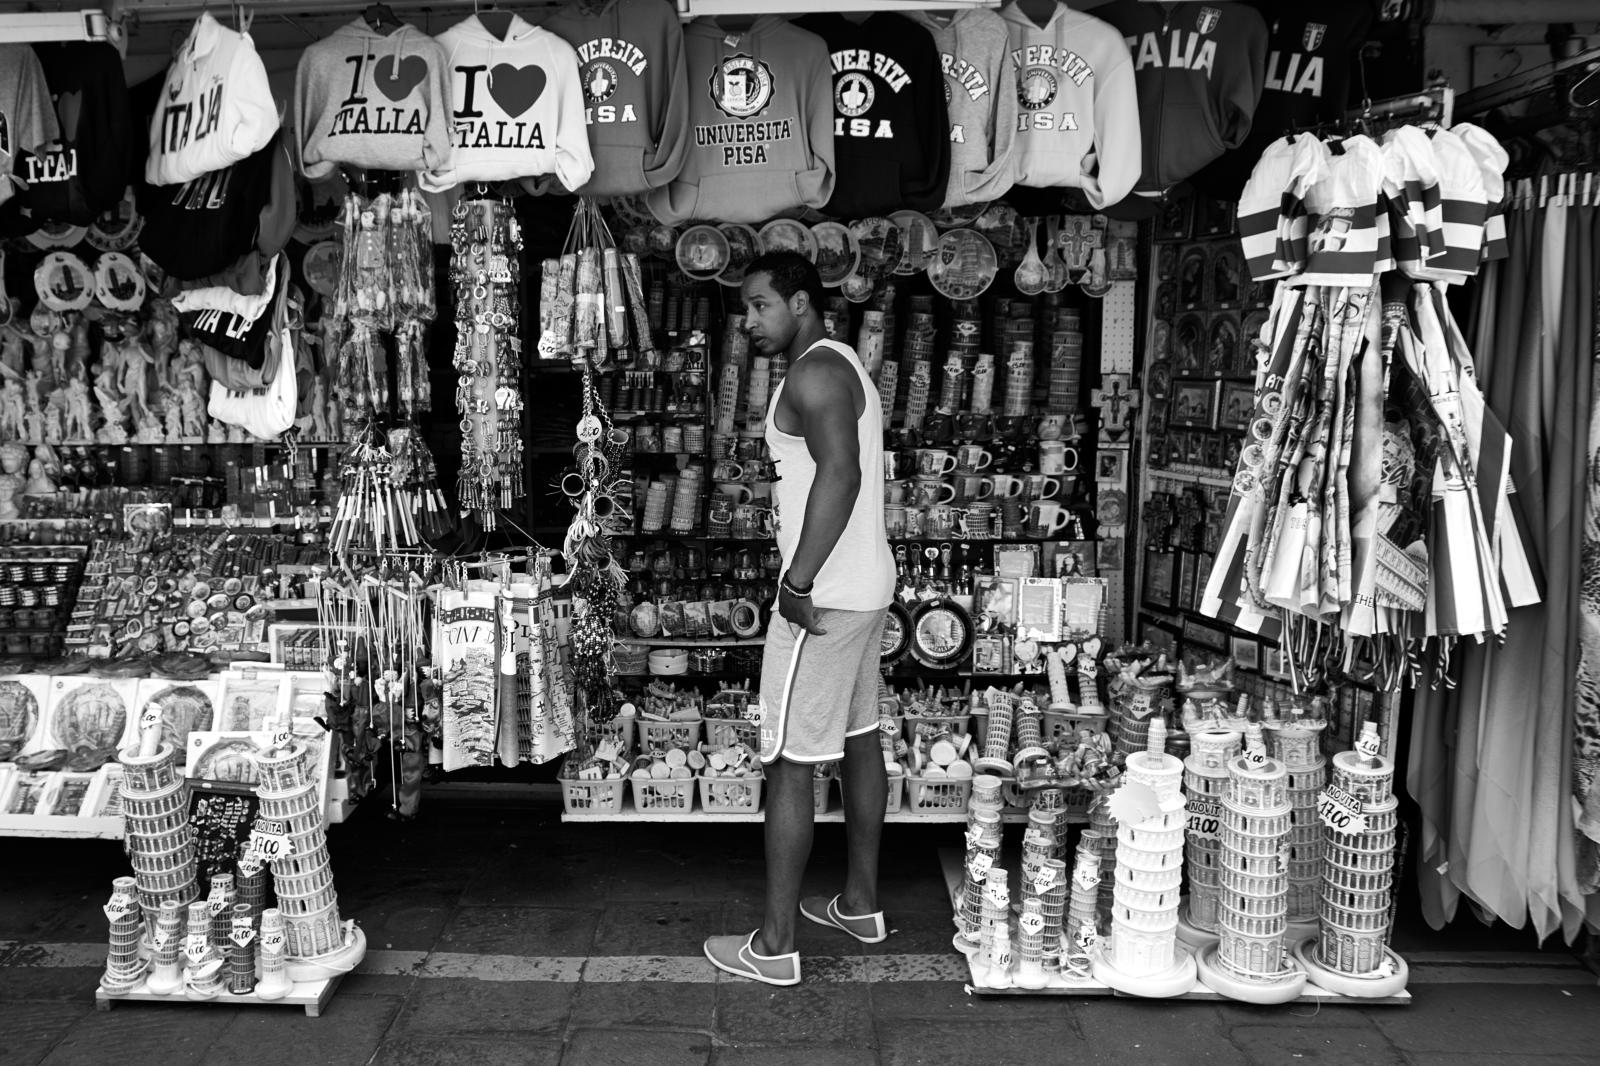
(891, 125)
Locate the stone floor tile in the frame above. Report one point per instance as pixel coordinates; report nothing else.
(911, 1000)
(144, 1034)
(519, 931)
(809, 1055)
(417, 1050)
(1311, 1042)
(17, 982)
(1487, 1019)
(464, 1006)
(656, 927)
(1148, 1032)
(348, 1030)
(749, 1012)
(974, 1043)
(1469, 1058)
(636, 1047)
(526, 877)
(690, 1005)
(32, 1029)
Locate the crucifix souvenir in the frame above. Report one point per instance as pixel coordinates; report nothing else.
(1116, 399)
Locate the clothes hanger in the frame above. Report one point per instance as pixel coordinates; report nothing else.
(493, 19)
(379, 16)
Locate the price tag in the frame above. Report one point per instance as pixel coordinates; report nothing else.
(1205, 819)
(1031, 923)
(1368, 746)
(270, 846)
(978, 867)
(1002, 959)
(1086, 936)
(1255, 756)
(150, 717)
(243, 931)
(1085, 878)
(119, 907)
(282, 738)
(217, 901)
(161, 939)
(1340, 811)
(249, 864)
(272, 942)
(1044, 881)
(974, 837)
(195, 947)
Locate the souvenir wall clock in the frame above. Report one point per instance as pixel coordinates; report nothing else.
(896, 640)
(941, 634)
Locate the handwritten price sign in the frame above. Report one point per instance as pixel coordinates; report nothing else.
(1205, 819)
(1340, 811)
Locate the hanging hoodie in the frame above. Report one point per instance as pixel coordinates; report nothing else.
(891, 126)
(1312, 47)
(86, 168)
(373, 100)
(760, 122)
(26, 118)
(632, 70)
(979, 94)
(1198, 69)
(517, 107)
(1077, 113)
(216, 107)
(204, 226)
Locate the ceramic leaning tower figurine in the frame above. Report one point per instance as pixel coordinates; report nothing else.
(1350, 954)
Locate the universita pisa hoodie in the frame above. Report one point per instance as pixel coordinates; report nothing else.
(632, 71)
(760, 123)
(517, 107)
(374, 100)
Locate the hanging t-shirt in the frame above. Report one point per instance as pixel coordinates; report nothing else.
(760, 121)
(86, 168)
(202, 227)
(1197, 69)
(516, 104)
(1312, 48)
(979, 91)
(27, 120)
(891, 126)
(373, 100)
(634, 76)
(1348, 241)
(1077, 112)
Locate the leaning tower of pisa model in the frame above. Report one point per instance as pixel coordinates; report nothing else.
(1205, 777)
(160, 841)
(1143, 957)
(1294, 741)
(1350, 954)
(302, 878)
(1249, 962)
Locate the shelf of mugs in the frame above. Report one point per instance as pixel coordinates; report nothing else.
(693, 642)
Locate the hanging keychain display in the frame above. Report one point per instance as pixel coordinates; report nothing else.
(486, 244)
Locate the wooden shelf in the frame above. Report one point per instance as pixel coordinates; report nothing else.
(900, 817)
(313, 996)
(693, 642)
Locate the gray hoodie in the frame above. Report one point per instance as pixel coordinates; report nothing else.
(981, 87)
(373, 100)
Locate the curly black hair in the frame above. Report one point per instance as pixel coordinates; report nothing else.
(790, 272)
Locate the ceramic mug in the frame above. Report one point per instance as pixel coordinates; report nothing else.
(934, 462)
(973, 486)
(727, 470)
(1007, 485)
(914, 517)
(1052, 427)
(931, 491)
(894, 521)
(1055, 457)
(738, 492)
(1042, 487)
(980, 519)
(973, 457)
(941, 522)
(895, 491)
(1049, 517)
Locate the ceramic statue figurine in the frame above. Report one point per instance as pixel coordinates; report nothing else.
(133, 377)
(39, 482)
(106, 396)
(172, 419)
(12, 410)
(13, 457)
(80, 424)
(319, 409)
(161, 331)
(149, 429)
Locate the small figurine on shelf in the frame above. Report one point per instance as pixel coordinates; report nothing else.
(80, 423)
(320, 430)
(172, 415)
(13, 457)
(149, 429)
(112, 431)
(12, 411)
(53, 431)
(39, 482)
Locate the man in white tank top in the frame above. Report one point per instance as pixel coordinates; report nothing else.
(819, 672)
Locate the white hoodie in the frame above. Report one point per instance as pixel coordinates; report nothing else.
(516, 105)
(215, 109)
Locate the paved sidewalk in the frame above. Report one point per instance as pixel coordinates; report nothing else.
(503, 937)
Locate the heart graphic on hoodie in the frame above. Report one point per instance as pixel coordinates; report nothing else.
(516, 89)
(397, 80)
